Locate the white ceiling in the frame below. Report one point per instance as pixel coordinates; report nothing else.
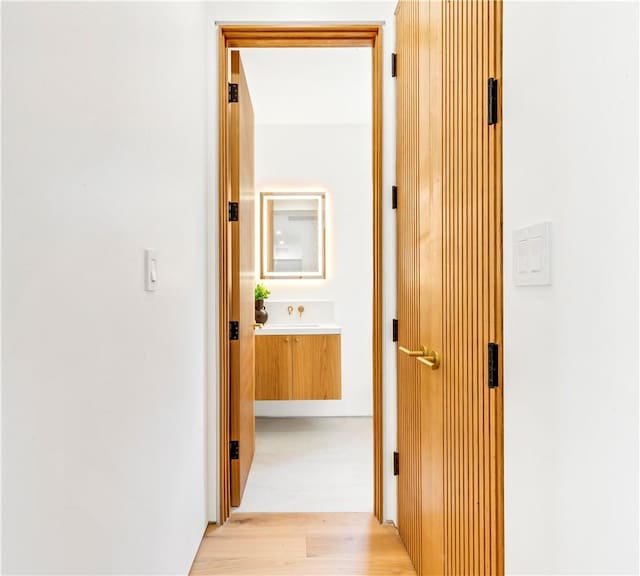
(309, 85)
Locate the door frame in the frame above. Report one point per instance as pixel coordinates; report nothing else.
(296, 36)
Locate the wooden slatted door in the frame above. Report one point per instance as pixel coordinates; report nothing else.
(420, 307)
(410, 407)
(242, 281)
(450, 495)
(472, 222)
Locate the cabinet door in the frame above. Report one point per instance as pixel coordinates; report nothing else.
(273, 367)
(316, 367)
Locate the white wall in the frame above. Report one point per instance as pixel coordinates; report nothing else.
(571, 349)
(104, 155)
(309, 85)
(319, 11)
(337, 159)
(108, 163)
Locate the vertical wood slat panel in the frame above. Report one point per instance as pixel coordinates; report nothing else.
(485, 288)
(474, 299)
(471, 337)
(431, 278)
(496, 282)
(409, 409)
(462, 311)
(457, 318)
(446, 206)
(499, 395)
(495, 149)
(482, 307)
(455, 119)
(479, 356)
(472, 209)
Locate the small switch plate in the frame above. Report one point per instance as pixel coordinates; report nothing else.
(150, 270)
(532, 255)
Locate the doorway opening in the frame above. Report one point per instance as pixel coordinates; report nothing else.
(303, 364)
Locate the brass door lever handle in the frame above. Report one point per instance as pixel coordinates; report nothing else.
(427, 357)
(413, 353)
(431, 359)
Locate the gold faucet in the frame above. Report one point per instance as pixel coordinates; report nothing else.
(290, 310)
(300, 310)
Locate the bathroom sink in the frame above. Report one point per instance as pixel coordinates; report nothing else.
(299, 328)
(295, 325)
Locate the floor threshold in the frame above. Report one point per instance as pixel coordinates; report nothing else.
(302, 544)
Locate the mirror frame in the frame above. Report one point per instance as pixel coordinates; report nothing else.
(266, 240)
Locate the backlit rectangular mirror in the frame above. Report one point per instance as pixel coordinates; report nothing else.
(293, 235)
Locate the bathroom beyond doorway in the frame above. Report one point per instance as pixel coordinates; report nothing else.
(286, 37)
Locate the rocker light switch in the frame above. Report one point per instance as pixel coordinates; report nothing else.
(150, 270)
(532, 255)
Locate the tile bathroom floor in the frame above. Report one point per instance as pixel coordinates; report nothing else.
(311, 465)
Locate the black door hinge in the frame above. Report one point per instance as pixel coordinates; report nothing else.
(234, 212)
(396, 464)
(233, 92)
(494, 363)
(234, 330)
(234, 449)
(395, 329)
(492, 101)
(394, 197)
(394, 65)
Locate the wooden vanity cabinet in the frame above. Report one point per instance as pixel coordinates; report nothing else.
(273, 368)
(298, 367)
(316, 367)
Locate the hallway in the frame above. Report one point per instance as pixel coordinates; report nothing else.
(442, 202)
(345, 544)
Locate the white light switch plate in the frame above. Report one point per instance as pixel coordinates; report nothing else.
(532, 255)
(150, 270)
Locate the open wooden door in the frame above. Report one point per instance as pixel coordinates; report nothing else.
(242, 279)
(420, 305)
(449, 150)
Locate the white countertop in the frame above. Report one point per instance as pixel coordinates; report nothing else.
(271, 329)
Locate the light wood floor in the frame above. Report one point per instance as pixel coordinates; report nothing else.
(304, 544)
